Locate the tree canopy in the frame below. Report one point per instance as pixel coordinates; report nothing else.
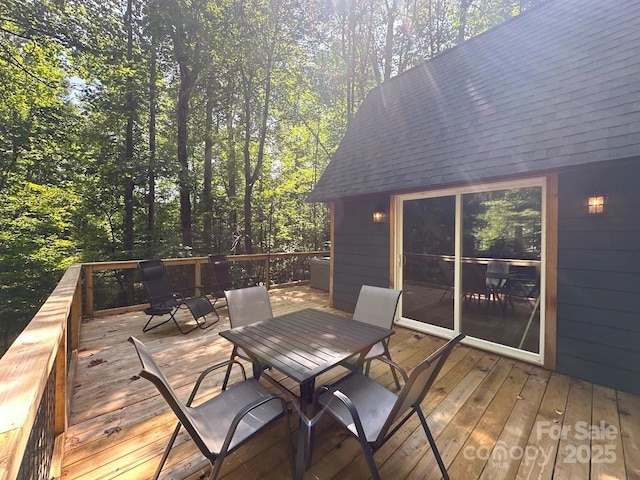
(159, 128)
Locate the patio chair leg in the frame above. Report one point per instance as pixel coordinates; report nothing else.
(288, 438)
(387, 354)
(395, 377)
(183, 332)
(167, 450)
(432, 442)
(146, 327)
(228, 373)
(368, 454)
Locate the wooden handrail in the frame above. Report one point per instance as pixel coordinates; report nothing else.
(198, 262)
(39, 351)
(47, 351)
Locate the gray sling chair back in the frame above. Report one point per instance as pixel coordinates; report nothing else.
(377, 306)
(163, 300)
(222, 423)
(373, 414)
(246, 305)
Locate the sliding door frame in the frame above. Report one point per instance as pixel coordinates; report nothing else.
(548, 260)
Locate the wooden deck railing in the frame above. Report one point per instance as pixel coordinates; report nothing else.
(268, 267)
(34, 397)
(38, 369)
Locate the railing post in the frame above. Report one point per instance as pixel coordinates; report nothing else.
(267, 271)
(75, 318)
(198, 277)
(88, 290)
(60, 406)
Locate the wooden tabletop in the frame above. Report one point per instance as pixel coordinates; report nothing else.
(306, 343)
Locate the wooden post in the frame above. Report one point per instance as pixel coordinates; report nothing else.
(267, 272)
(88, 290)
(198, 277)
(60, 407)
(75, 318)
(332, 234)
(551, 276)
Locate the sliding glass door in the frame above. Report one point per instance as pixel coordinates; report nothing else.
(472, 261)
(428, 253)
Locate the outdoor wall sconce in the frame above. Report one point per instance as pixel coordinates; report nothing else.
(595, 204)
(379, 216)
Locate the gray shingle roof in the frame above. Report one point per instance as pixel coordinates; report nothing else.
(557, 86)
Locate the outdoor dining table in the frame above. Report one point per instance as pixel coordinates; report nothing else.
(302, 345)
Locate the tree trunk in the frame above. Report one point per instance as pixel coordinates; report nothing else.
(187, 81)
(388, 50)
(128, 174)
(232, 166)
(464, 9)
(207, 200)
(248, 178)
(151, 199)
(252, 177)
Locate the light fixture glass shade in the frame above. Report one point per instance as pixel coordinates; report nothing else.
(595, 204)
(379, 216)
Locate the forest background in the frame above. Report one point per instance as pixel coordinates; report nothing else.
(173, 128)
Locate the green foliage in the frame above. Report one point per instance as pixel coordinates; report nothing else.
(504, 223)
(276, 82)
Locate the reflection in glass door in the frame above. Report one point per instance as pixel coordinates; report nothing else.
(500, 264)
(472, 262)
(428, 251)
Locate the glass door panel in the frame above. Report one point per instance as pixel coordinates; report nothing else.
(428, 251)
(500, 266)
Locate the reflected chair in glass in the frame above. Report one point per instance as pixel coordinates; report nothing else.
(473, 282)
(373, 414)
(527, 288)
(219, 425)
(447, 272)
(246, 305)
(377, 306)
(496, 278)
(165, 301)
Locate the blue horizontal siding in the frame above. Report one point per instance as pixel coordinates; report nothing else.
(361, 250)
(599, 277)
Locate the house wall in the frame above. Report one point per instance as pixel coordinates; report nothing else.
(598, 326)
(360, 250)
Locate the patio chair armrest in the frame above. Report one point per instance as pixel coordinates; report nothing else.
(191, 287)
(390, 362)
(352, 411)
(150, 298)
(244, 412)
(210, 369)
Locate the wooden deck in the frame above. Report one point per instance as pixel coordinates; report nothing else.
(493, 417)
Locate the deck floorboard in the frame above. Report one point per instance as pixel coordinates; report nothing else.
(492, 417)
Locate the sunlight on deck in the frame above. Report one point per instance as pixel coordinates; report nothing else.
(485, 411)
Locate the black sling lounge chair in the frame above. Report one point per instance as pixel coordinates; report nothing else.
(222, 280)
(164, 301)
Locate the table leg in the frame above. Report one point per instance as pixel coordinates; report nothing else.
(257, 369)
(305, 431)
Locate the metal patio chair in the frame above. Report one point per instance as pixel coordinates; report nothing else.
(164, 301)
(246, 305)
(373, 414)
(447, 272)
(377, 306)
(222, 423)
(497, 275)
